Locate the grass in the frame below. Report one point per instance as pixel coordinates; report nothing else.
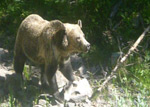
(131, 87)
(123, 97)
(11, 100)
(27, 72)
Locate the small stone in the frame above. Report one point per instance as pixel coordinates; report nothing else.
(82, 70)
(4, 105)
(3, 73)
(42, 102)
(3, 54)
(44, 96)
(37, 105)
(86, 105)
(69, 104)
(78, 98)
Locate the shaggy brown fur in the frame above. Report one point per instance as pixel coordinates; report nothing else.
(48, 44)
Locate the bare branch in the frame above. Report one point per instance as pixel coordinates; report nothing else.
(122, 60)
(135, 44)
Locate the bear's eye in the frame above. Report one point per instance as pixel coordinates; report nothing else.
(78, 39)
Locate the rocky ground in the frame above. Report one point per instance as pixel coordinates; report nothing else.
(28, 93)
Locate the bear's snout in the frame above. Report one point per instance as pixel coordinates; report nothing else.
(88, 46)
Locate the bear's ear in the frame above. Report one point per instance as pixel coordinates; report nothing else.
(61, 40)
(65, 42)
(80, 23)
(59, 34)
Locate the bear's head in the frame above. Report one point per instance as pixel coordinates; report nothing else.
(76, 38)
(67, 37)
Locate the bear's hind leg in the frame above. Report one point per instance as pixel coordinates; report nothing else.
(44, 84)
(19, 61)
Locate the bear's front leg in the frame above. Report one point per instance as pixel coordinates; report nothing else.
(66, 68)
(50, 70)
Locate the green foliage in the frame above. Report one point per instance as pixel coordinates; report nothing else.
(141, 69)
(94, 14)
(27, 72)
(11, 101)
(101, 30)
(133, 78)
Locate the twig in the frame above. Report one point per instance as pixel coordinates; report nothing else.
(112, 75)
(115, 9)
(119, 45)
(117, 25)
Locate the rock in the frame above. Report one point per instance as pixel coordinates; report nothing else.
(70, 104)
(42, 102)
(86, 105)
(3, 54)
(9, 80)
(37, 105)
(4, 105)
(82, 70)
(44, 96)
(78, 64)
(78, 91)
(4, 73)
(81, 88)
(61, 80)
(46, 100)
(76, 61)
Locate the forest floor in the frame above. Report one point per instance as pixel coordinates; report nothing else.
(29, 93)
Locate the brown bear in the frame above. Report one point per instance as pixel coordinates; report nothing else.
(49, 45)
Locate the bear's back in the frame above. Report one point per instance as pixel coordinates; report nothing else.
(32, 25)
